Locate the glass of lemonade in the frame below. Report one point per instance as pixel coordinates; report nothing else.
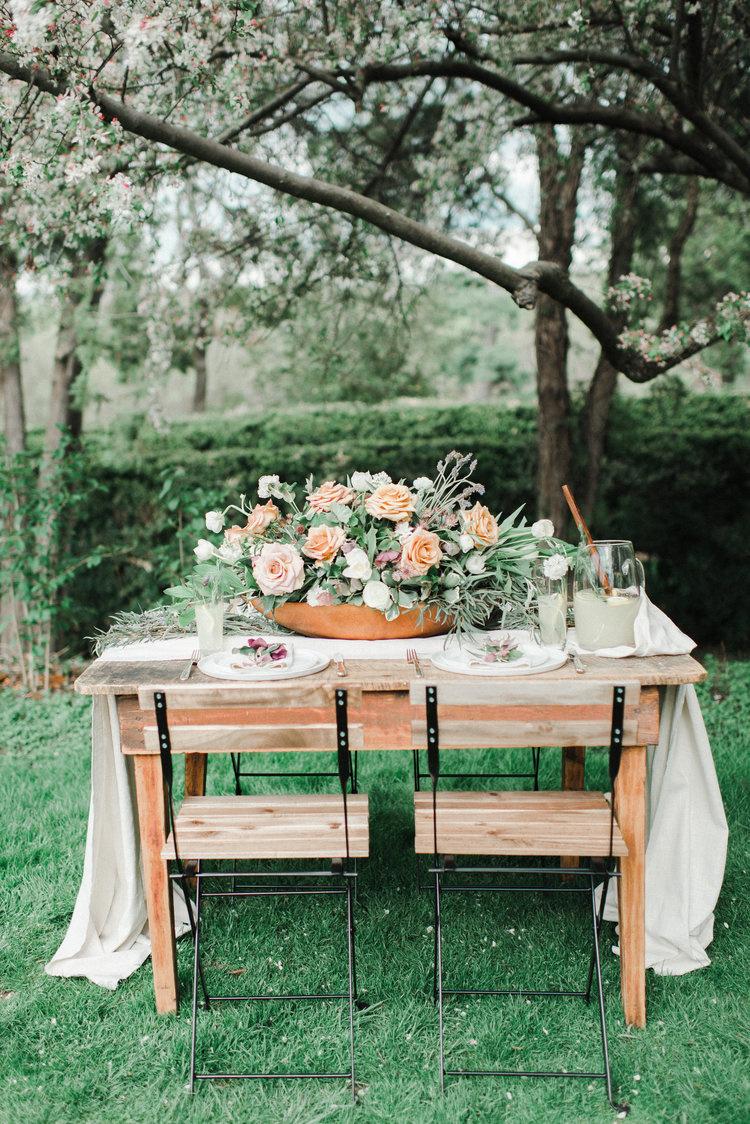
(552, 606)
(607, 594)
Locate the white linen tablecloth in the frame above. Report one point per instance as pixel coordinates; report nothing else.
(108, 934)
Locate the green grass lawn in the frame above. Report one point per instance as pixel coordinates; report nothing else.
(70, 1051)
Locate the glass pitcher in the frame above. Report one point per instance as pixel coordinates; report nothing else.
(607, 591)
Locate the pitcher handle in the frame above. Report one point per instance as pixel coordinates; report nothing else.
(641, 574)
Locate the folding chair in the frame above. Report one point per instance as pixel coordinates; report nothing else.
(254, 828)
(449, 824)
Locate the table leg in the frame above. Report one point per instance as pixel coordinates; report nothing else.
(153, 822)
(195, 774)
(631, 814)
(573, 780)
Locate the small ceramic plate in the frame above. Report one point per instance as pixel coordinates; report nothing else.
(535, 659)
(219, 666)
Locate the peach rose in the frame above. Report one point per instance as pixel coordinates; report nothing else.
(420, 552)
(481, 524)
(391, 501)
(278, 568)
(323, 543)
(329, 493)
(261, 517)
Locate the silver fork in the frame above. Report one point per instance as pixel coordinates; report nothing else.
(185, 673)
(413, 658)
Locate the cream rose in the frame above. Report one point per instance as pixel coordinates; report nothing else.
(481, 524)
(420, 552)
(329, 493)
(278, 568)
(323, 543)
(358, 564)
(391, 501)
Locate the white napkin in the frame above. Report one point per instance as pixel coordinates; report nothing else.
(687, 828)
(655, 635)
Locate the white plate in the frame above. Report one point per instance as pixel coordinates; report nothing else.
(540, 658)
(306, 662)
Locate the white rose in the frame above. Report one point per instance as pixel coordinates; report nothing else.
(230, 551)
(555, 567)
(543, 529)
(377, 595)
(475, 564)
(215, 521)
(466, 543)
(361, 481)
(357, 564)
(422, 483)
(204, 550)
(265, 486)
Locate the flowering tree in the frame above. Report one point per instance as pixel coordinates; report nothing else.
(220, 86)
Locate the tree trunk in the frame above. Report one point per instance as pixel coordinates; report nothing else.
(559, 179)
(10, 366)
(200, 386)
(553, 440)
(604, 380)
(65, 416)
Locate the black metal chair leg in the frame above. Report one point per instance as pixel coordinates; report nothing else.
(236, 766)
(439, 971)
(599, 923)
(352, 983)
(415, 764)
(197, 974)
(599, 986)
(535, 756)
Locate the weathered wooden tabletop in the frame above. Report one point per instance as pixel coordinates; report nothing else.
(112, 677)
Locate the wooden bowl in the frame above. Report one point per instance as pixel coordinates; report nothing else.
(354, 622)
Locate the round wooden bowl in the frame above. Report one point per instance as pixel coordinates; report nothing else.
(353, 622)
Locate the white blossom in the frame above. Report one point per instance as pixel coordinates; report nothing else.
(466, 542)
(204, 550)
(377, 595)
(422, 483)
(230, 550)
(543, 529)
(266, 484)
(357, 564)
(475, 564)
(555, 567)
(361, 481)
(215, 521)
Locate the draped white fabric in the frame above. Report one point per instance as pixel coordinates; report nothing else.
(108, 934)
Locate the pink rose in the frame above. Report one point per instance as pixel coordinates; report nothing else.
(278, 568)
(329, 493)
(420, 552)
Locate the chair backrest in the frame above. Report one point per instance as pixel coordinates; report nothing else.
(282, 718)
(497, 714)
(332, 736)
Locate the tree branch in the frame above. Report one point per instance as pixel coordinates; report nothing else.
(524, 284)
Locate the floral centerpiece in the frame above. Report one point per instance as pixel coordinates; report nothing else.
(426, 556)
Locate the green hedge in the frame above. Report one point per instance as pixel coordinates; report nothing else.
(675, 482)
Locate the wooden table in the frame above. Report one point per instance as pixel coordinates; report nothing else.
(386, 718)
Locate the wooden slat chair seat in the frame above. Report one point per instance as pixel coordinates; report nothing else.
(516, 823)
(270, 827)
